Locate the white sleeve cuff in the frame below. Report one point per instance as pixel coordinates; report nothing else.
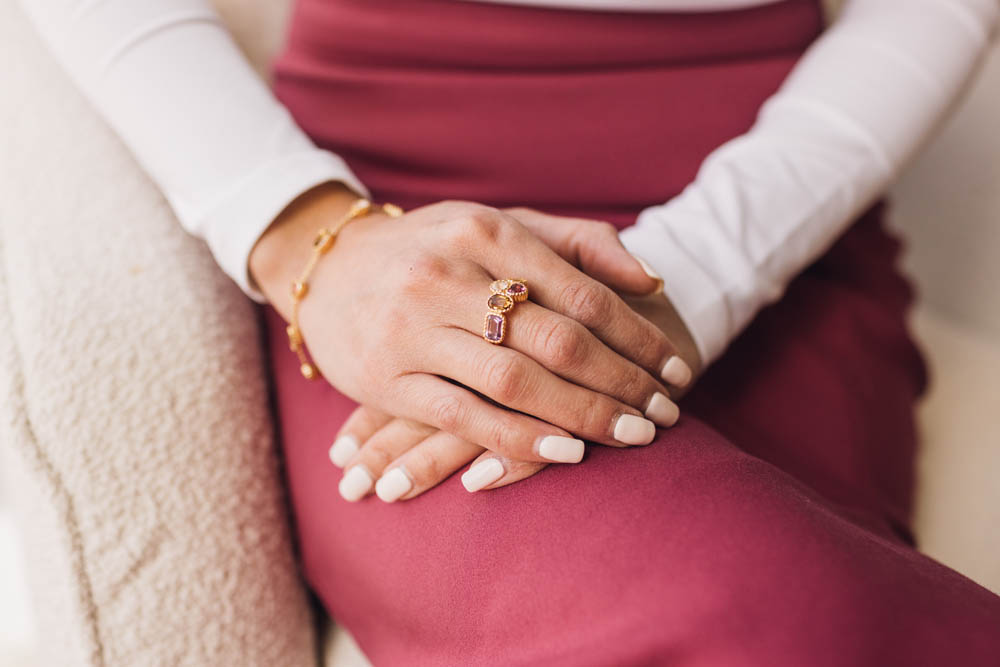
(699, 302)
(233, 226)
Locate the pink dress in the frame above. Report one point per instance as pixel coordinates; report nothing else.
(771, 525)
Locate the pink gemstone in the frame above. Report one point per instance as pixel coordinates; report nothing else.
(494, 327)
(516, 288)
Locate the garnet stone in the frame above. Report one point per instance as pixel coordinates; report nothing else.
(493, 329)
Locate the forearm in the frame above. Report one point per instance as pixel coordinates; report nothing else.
(860, 102)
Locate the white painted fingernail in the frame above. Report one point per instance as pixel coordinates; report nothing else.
(560, 448)
(393, 485)
(662, 410)
(345, 447)
(651, 273)
(482, 474)
(633, 430)
(676, 372)
(355, 483)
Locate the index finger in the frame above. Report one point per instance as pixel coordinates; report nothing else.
(559, 286)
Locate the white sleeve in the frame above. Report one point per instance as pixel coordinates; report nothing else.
(170, 80)
(766, 204)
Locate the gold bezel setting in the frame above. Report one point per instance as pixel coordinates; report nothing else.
(507, 304)
(501, 327)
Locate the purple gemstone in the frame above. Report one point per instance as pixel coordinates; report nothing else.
(494, 327)
(516, 288)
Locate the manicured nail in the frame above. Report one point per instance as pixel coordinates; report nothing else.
(676, 372)
(355, 483)
(662, 410)
(651, 273)
(393, 485)
(560, 448)
(633, 430)
(482, 474)
(343, 449)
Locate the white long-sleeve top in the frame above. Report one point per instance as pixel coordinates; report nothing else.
(168, 77)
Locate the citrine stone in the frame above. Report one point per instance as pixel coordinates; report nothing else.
(500, 303)
(493, 329)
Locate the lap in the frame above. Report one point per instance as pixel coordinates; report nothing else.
(765, 526)
(689, 549)
(823, 384)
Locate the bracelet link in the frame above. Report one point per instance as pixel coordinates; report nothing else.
(322, 243)
(323, 240)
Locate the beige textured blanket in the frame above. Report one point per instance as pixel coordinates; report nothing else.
(137, 441)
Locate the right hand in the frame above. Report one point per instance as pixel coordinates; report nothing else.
(395, 310)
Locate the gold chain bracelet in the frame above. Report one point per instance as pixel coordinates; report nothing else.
(321, 245)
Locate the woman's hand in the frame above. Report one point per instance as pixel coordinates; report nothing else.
(407, 458)
(400, 459)
(394, 319)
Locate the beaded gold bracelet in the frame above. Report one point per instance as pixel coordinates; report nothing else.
(320, 246)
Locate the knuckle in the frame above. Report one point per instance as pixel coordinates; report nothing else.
(605, 229)
(595, 415)
(483, 224)
(593, 236)
(587, 303)
(424, 270)
(563, 343)
(634, 386)
(425, 467)
(366, 419)
(506, 379)
(518, 469)
(519, 211)
(500, 437)
(471, 226)
(375, 456)
(450, 208)
(448, 412)
(654, 348)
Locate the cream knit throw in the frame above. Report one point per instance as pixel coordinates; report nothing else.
(135, 428)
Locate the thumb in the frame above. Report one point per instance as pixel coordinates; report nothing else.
(594, 248)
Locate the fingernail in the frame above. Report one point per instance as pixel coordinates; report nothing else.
(482, 474)
(676, 372)
(393, 485)
(651, 273)
(662, 410)
(355, 483)
(560, 448)
(633, 430)
(344, 447)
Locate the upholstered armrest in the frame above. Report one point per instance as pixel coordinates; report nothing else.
(137, 439)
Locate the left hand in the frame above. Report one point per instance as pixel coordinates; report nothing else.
(407, 457)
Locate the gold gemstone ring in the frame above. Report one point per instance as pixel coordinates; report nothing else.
(503, 295)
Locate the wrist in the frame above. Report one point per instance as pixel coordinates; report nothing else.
(282, 251)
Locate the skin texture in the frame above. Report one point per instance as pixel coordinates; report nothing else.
(393, 320)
